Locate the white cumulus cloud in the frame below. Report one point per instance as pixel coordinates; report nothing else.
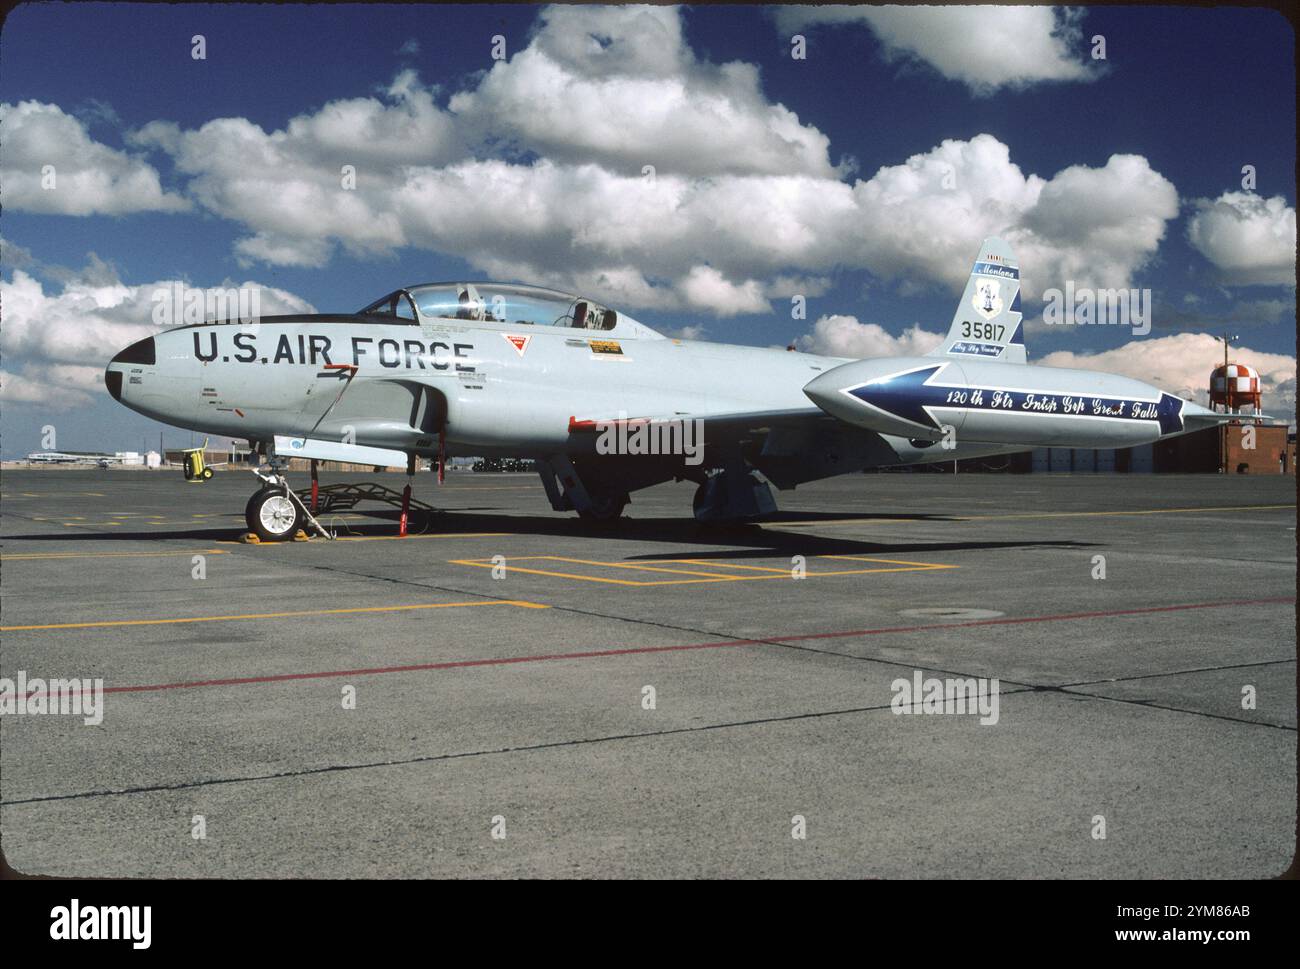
(58, 342)
(984, 47)
(329, 175)
(846, 336)
(52, 166)
(533, 172)
(619, 86)
(1097, 226)
(1250, 240)
(1181, 364)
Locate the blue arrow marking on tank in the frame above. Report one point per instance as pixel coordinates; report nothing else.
(904, 395)
(1170, 414)
(911, 394)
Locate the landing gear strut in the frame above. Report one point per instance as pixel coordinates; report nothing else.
(600, 506)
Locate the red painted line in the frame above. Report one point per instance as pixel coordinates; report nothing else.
(633, 650)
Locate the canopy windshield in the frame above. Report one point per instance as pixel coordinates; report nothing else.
(396, 304)
(513, 305)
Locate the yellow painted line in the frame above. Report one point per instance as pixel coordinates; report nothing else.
(895, 566)
(565, 575)
(376, 538)
(28, 556)
(69, 494)
(277, 615)
(1029, 515)
(630, 565)
(730, 565)
(872, 558)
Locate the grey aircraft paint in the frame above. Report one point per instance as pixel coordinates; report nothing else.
(500, 369)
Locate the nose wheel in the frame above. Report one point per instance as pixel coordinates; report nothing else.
(272, 515)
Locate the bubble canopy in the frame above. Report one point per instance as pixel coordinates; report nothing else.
(504, 303)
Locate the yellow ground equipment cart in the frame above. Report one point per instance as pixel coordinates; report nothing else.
(193, 465)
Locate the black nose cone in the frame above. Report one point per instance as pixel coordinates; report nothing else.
(140, 352)
(113, 381)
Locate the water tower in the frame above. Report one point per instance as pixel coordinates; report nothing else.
(1235, 387)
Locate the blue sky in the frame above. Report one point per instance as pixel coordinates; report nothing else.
(1194, 93)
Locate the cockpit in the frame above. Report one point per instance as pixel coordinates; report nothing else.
(508, 304)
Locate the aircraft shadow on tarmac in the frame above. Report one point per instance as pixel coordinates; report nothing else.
(738, 541)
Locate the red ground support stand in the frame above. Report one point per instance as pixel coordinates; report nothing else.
(315, 488)
(406, 496)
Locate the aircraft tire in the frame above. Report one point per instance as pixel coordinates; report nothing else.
(605, 508)
(701, 498)
(272, 515)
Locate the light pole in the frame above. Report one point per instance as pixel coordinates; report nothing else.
(1226, 340)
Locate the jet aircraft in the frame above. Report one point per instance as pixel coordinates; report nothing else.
(504, 370)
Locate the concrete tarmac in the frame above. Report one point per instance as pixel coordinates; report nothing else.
(514, 693)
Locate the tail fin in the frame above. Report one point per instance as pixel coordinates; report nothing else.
(987, 323)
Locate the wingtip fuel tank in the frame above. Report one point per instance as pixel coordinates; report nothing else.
(1000, 403)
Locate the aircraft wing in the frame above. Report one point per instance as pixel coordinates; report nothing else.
(723, 423)
(790, 446)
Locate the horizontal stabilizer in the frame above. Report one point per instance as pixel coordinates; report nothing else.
(1195, 416)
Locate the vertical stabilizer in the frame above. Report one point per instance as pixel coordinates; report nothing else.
(987, 324)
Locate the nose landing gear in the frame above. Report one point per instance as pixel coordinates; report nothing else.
(272, 515)
(275, 513)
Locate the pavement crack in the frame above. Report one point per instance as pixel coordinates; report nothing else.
(459, 755)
